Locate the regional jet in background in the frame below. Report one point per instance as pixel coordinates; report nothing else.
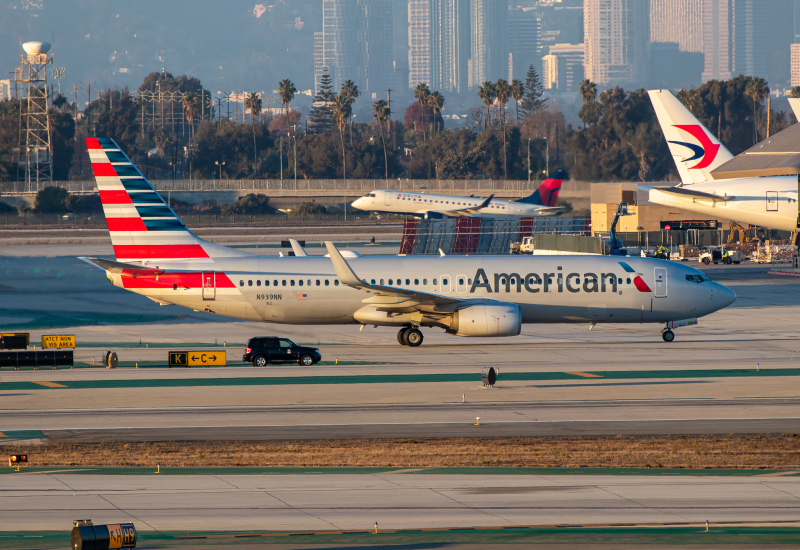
(765, 201)
(158, 257)
(424, 205)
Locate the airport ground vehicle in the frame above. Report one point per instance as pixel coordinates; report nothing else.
(263, 350)
(523, 247)
(721, 254)
(157, 256)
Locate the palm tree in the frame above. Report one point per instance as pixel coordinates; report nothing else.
(253, 102)
(757, 90)
(502, 90)
(487, 93)
(340, 112)
(588, 90)
(517, 91)
(189, 102)
(350, 92)
(381, 113)
(436, 103)
(286, 90)
(794, 92)
(422, 94)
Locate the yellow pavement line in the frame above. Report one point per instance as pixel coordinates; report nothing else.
(585, 374)
(50, 384)
(3, 435)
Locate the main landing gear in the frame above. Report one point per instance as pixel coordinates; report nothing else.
(667, 335)
(410, 336)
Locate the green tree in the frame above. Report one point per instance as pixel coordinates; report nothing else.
(253, 102)
(591, 111)
(422, 94)
(350, 93)
(517, 92)
(341, 110)
(321, 116)
(51, 200)
(757, 90)
(381, 113)
(487, 94)
(533, 99)
(190, 107)
(794, 92)
(436, 103)
(287, 91)
(502, 90)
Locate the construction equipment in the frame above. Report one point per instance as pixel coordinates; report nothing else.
(614, 244)
(735, 229)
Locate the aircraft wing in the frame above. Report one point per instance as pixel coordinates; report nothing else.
(549, 210)
(464, 212)
(120, 267)
(692, 194)
(388, 298)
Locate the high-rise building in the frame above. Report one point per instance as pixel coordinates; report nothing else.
(750, 37)
(616, 38)
(550, 72)
(357, 42)
(488, 43)
(569, 60)
(677, 21)
(419, 42)
(319, 60)
(524, 25)
(795, 78)
(450, 45)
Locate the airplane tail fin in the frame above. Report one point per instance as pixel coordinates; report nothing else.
(142, 225)
(695, 150)
(547, 193)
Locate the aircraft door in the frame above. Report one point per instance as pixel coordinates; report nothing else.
(445, 283)
(661, 282)
(772, 201)
(387, 198)
(209, 285)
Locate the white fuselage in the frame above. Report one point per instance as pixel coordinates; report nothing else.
(420, 204)
(548, 289)
(767, 202)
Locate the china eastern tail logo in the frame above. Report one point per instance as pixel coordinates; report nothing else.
(706, 152)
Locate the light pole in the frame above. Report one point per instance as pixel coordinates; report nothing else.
(219, 171)
(529, 163)
(294, 135)
(281, 157)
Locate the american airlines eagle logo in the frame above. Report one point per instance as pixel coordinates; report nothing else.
(706, 151)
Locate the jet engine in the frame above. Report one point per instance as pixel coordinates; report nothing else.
(487, 320)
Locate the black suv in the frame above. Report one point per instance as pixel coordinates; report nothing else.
(271, 349)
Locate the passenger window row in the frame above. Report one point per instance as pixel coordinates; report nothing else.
(291, 282)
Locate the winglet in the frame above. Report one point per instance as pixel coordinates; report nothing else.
(343, 270)
(485, 203)
(298, 250)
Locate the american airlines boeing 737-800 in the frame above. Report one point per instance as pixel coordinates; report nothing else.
(541, 202)
(765, 201)
(158, 257)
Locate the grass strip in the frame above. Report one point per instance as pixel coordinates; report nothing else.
(668, 454)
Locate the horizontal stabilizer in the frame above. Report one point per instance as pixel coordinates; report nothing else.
(120, 267)
(697, 195)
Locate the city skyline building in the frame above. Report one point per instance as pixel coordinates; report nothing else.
(524, 25)
(419, 42)
(616, 38)
(488, 41)
(678, 21)
(569, 61)
(357, 43)
(450, 45)
(795, 68)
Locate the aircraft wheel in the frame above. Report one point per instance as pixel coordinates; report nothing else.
(668, 335)
(401, 336)
(414, 337)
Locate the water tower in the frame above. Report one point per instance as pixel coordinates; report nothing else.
(35, 153)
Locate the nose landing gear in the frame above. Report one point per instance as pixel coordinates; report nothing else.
(410, 336)
(667, 335)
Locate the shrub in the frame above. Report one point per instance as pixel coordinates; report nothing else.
(6, 208)
(309, 209)
(251, 203)
(84, 203)
(52, 199)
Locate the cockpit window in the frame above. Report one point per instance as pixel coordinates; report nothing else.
(371, 195)
(696, 278)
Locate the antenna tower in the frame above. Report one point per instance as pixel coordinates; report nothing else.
(34, 155)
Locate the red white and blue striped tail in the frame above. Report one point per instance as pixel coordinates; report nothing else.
(142, 225)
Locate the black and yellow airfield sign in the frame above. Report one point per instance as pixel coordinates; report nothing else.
(58, 341)
(198, 358)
